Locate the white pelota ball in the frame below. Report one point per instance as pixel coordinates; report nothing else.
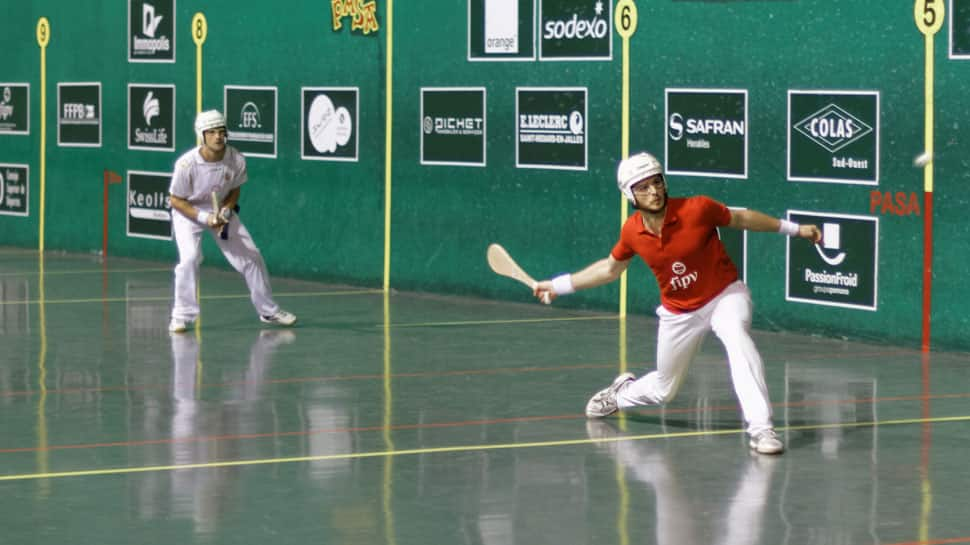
(922, 160)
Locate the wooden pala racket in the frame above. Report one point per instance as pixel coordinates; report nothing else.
(502, 263)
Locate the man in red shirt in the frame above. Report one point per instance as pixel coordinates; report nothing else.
(699, 291)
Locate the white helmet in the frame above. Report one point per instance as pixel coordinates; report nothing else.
(209, 119)
(635, 168)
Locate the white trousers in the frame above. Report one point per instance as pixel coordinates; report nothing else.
(240, 251)
(679, 337)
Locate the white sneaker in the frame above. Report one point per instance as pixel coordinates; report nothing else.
(280, 318)
(766, 442)
(604, 402)
(178, 325)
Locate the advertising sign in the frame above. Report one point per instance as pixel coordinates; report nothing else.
(842, 271)
(251, 119)
(833, 136)
(149, 208)
(707, 132)
(501, 30)
(329, 123)
(550, 128)
(453, 126)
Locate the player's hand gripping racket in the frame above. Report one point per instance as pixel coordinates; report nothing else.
(217, 210)
(502, 263)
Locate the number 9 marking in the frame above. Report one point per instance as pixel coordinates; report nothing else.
(43, 32)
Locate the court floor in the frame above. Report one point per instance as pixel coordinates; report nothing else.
(426, 419)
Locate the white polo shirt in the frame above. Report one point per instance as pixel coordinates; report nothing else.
(195, 178)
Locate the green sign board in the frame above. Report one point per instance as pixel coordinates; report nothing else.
(575, 30)
(833, 136)
(14, 108)
(14, 189)
(453, 126)
(550, 128)
(707, 132)
(329, 123)
(79, 114)
(151, 31)
(251, 119)
(151, 117)
(959, 21)
(149, 209)
(842, 270)
(501, 30)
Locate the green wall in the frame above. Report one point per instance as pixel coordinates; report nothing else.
(325, 220)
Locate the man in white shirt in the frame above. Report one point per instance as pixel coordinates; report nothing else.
(217, 168)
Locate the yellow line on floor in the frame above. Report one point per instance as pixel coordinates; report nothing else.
(465, 448)
(86, 271)
(519, 321)
(168, 298)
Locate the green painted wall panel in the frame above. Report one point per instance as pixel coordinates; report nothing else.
(324, 220)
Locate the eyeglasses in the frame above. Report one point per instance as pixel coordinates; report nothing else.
(656, 183)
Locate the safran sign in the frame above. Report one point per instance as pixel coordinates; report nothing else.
(149, 208)
(501, 30)
(842, 270)
(79, 114)
(575, 30)
(453, 126)
(251, 119)
(833, 136)
(151, 117)
(707, 132)
(151, 31)
(550, 128)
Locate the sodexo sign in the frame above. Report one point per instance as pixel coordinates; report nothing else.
(576, 30)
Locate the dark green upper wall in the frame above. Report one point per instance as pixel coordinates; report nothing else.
(324, 220)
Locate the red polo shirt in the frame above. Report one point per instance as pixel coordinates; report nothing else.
(690, 263)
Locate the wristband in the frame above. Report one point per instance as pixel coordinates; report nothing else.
(788, 228)
(563, 284)
(203, 217)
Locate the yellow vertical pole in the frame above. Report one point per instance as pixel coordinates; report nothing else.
(388, 140)
(43, 38)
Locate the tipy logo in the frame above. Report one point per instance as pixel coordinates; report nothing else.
(149, 21)
(833, 128)
(680, 280)
(150, 108)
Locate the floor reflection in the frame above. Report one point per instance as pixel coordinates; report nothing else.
(677, 522)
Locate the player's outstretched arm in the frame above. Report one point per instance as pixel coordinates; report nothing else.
(601, 272)
(752, 220)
